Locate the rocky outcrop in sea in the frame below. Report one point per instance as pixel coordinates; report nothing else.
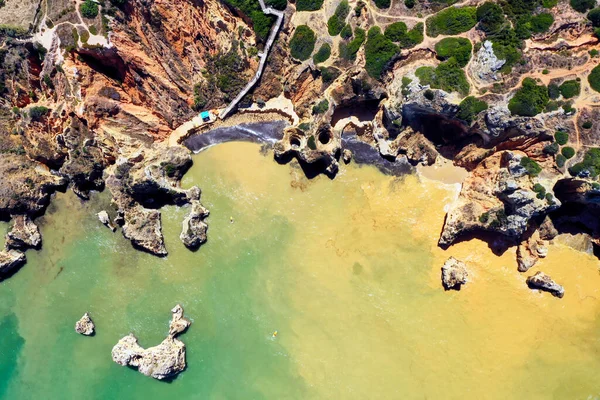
(543, 282)
(163, 361)
(85, 325)
(24, 234)
(454, 274)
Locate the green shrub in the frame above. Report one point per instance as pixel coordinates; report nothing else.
(48, 81)
(323, 54)
(321, 107)
(549, 3)
(302, 43)
(348, 50)
(359, 7)
(594, 17)
(560, 161)
(568, 108)
(469, 108)
(337, 21)
(37, 112)
(459, 48)
(553, 91)
(570, 89)
(583, 5)
(452, 21)
(530, 100)
(532, 167)
(507, 46)
(329, 74)
(312, 143)
(540, 190)
(590, 163)
(551, 149)
(383, 3)
(409, 3)
(261, 23)
(567, 152)
(396, 31)
(85, 36)
(490, 17)
(594, 52)
(346, 33)
(277, 4)
(429, 95)
(308, 5)
(587, 125)
(448, 76)
(541, 22)
(379, 50)
(88, 9)
(561, 137)
(594, 78)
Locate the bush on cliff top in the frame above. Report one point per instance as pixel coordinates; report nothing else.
(337, 21)
(570, 89)
(383, 3)
(448, 76)
(561, 137)
(530, 100)
(88, 9)
(590, 163)
(452, 21)
(323, 54)
(490, 17)
(531, 166)
(302, 43)
(398, 33)
(469, 108)
(349, 49)
(308, 5)
(379, 50)
(261, 23)
(459, 48)
(277, 4)
(583, 5)
(594, 78)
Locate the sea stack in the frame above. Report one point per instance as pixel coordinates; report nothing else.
(454, 274)
(543, 282)
(85, 325)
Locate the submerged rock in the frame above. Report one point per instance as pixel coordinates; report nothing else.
(11, 260)
(85, 325)
(454, 274)
(24, 234)
(542, 281)
(347, 156)
(194, 229)
(160, 362)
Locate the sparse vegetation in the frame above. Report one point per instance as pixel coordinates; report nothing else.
(469, 108)
(531, 166)
(321, 107)
(337, 21)
(329, 74)
(302, 43)
(459, 48)
(551, 149)
(540, 191)
(261, 23)
(530, 100)
(587, 125)
(38, 112)
(308, 5)
(349, 49)
(451, 21)
(323, 54)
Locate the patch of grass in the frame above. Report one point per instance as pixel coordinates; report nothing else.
(321, 107)
(323, 54)
(88, 9)
(567, 152)
(590, 164)
(337, 21)
(38, 112)
(531, 166)
(570, 89)
(530, 100)
(308, 5)
(469, 108)
(459, 48)
(594, 78)
(93, 30)
(452, 21)
(85, 36)
(349, 49)
(302, 43)
(448, 76)
(379, 50)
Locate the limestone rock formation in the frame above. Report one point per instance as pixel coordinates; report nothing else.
(454, 274)
(531, 249)
(144, 228)
(105, 219)
(194, 229)
(347, 156)
(24, 234)
(542, 281)
(85, 325)
(485, 64)
(163, 361)
(498, 196)
(10, 261)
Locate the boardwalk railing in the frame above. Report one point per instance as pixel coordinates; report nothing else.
(263, 58)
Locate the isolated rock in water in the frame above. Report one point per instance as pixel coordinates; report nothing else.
(105, 219)
(347, 156)
(143, 227)
(194, 229)
(24, 234)
(85, 325)
(542, 281)
(160, 362)
(454, 274)
(10, 260)
(178, 322)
